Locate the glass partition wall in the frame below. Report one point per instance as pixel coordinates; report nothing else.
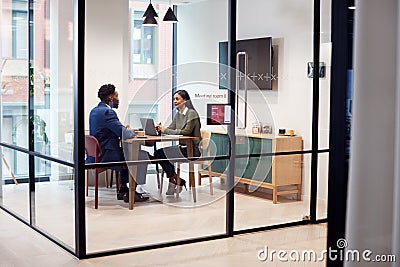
(269, 140)
(14, 105)
(324, 108)
(146, 68)
(37, 115)
(283, 118)
(275, 189)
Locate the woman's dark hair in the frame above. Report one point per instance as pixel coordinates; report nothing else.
(105, 91)
(185, 95)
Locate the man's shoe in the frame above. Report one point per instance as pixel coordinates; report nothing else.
(138, 197)
(144, 193)
(120, 196)
(121, 193)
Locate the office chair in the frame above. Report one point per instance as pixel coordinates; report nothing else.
(204, 146)
(92, 149)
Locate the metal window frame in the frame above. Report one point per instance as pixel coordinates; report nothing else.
(79, 165)
(338, 160)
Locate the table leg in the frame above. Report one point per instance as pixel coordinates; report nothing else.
(189, 144)
(133, 153)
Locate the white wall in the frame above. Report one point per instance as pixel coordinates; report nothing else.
(200, 29)
(290, 23)
(374, 183)
(106, 53)
(201, 26)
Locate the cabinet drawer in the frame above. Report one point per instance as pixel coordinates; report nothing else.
(287, 169)
(260, 168)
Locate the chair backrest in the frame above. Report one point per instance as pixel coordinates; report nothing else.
(92, 147)
(205, 139)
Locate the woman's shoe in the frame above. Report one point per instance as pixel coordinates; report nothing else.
(171, 189)
(182, 183)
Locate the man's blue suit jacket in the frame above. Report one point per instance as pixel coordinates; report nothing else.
(106, 127)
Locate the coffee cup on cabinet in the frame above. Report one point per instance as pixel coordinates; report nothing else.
(290, 132)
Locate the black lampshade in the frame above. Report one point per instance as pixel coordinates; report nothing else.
(170, 16)
(150, 11)
(150, 21)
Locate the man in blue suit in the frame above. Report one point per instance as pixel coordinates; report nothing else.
(106, 127)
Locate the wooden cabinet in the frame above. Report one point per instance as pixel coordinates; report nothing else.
(287, 169)
(269, 172)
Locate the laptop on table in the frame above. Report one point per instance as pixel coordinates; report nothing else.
(148, 126)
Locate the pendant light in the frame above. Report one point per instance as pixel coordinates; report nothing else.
(150, 16)
(170, 16)
(150, 11)
(150, 21)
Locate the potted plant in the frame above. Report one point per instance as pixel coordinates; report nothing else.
(39, 129)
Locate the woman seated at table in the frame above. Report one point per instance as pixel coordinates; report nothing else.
(186, 122)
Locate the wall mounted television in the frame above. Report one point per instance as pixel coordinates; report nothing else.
(260, 57)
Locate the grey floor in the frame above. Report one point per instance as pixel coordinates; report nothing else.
(162, 219)
(21, 246)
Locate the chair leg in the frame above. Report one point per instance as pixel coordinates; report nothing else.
(192, 186)
(178, 170)
(87, 182)
(178, 178)
(199, 178)
(161, 181)
(158, 176)
(210, 179)
(96, 189)
(199, 182)
(199, 175)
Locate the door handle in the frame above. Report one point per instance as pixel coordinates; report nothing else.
(238, 78)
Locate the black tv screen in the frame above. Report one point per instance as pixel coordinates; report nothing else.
(259, 70)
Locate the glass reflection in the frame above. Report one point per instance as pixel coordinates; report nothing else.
(322, 191)
(14, 105)
(281, 197)
(55, 203)
(148, 94)
(14, 186)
